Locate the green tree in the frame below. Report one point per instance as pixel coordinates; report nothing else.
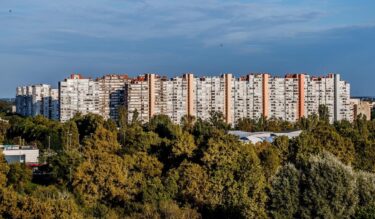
(5, 106)
(14, 205)
(365, 213)
(308, 123)
(19, 178)
(323, 138)
(261, 124)
(36, 131)
(329, 189)
(62, 167)
(332, 142)
(190, 182)
(56, 203)
(322, 187)
(187, 123)
(88, 124)
(146, 171)
(245, 124)
(123, 119)
(365, 159)
(69, 136)
(217, 120)
(110, 125)
(4, 126)
(303, 146)
(203, 131)
(135, 118)
(167, 209)
(134, 138)
(360, 123)
(162, 125)
(103, 175)
(183, 144)
(236, 177)
(281, 143)
(284, 194)
(4, 169)
(323, 113)
(274, 125)
(270, 160)
(102, 140)
(179, 146)
(366, 189)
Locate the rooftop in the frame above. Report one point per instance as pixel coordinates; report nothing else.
(17, 147)
(256, 137)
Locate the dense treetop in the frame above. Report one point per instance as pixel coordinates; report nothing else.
(100, 169)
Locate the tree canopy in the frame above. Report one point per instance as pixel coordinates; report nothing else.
(99, 169)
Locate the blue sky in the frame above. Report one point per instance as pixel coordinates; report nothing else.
(43, 41)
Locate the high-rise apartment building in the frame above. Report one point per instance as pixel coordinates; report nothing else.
(255, 95)
(78, 95)
(36, 100)
(212, 94)
(330, 91)
(252, 96)
(55, 105)
(151, 94)
(111, 94)
(138, 93)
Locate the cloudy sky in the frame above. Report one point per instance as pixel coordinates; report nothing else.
(43, 41)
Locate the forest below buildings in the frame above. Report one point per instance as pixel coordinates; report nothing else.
(100, 169)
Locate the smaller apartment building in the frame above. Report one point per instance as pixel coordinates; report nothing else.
(37, 100)
(361, 107)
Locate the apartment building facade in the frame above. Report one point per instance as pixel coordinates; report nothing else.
(288, 98)
(78, 95)
(111, 94)
(361, 107)
(252, 96)
(36, 100)
(138, 92)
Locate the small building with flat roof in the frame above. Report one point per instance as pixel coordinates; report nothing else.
(28, 155)
(256, 137)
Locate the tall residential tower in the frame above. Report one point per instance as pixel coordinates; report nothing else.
(78, 95)
(288, 98)
(111, 94)
(252, 96)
